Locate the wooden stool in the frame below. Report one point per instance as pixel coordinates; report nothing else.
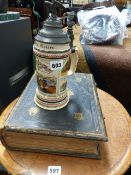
(115, 154)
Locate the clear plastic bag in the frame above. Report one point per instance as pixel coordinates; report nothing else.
(101, 25)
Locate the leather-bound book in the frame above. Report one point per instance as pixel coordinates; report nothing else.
(75, 130)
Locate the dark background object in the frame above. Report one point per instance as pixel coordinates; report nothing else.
(25, 7)
(128, 171)
(3, 171)
(3, 6)
(15, 58)
(39, 7)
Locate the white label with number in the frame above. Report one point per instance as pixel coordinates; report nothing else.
(56, 65)
(54, 170)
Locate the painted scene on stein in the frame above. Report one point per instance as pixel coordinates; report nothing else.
(49, 82)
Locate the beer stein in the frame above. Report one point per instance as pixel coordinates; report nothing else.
(52, 52)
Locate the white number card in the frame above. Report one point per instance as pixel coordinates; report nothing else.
(56, 65)
(54, 170)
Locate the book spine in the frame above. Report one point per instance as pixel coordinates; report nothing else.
(99, 108)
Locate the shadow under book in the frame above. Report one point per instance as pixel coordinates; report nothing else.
(75, 130)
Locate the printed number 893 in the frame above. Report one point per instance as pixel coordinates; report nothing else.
(57, 65)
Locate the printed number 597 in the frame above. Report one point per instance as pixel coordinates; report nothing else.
(54, 170)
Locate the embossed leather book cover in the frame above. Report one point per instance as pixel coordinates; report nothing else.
(74, 130)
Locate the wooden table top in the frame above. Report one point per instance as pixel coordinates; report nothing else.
(116, 153)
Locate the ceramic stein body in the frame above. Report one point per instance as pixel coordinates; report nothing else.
(51, 72)
(52, 50)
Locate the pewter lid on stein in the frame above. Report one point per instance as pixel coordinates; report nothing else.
(52, 32)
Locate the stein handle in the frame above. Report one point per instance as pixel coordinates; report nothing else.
(74, 61)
